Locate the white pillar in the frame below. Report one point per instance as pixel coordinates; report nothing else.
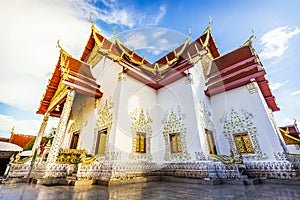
(61, 128)
(41, 132)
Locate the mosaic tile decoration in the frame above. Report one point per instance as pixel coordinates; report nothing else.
(141, 123)
(173, 123)
(104, 121)
(207, 123)
(239, 124)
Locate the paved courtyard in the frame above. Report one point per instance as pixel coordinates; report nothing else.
(151, 190)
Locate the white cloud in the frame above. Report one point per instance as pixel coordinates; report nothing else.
(295, 93)
(162, 12)
(29, 31)
(27, 127)
(275, 42)
(136, 40)
(28, 38)
(154, 41)
(120, 13)
(277, 85)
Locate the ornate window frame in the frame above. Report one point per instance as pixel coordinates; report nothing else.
(104, 121)
(141, 123)
(207, 124)
(173, 123)
(238, 124)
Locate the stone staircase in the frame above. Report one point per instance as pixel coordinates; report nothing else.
(71, 179)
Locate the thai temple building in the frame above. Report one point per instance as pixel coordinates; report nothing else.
(193, 114)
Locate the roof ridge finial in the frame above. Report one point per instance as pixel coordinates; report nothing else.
(62, 51)
(209, 25)
(115, 33)
(91, 18)
(58, 44)
(250, 40)
(210, 21)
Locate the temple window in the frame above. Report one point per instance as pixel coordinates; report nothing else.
(101, 142)
(211, 142)
(243, 143)
(74, 140)
(140, 143)
(175, 143)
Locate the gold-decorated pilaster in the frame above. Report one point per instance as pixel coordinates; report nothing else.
(61, 128)
(41, 132)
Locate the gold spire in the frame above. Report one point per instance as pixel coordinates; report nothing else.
(250, 40)
(63, 55)
(209, 25)
(13, 130)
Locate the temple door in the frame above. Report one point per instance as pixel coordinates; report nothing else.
(74, 140)
(211, 142)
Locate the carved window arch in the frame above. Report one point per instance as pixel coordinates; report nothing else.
(236, 125)
(208, 129)
(174, 127)
(103, 127)
(141, 135)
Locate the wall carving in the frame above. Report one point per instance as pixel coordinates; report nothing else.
(207, 123)
(173, 123)
(252, 88)
(104, 121)
(141, 123)
(239, 124)
(77, 112)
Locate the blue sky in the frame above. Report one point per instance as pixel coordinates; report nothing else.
(30, 29)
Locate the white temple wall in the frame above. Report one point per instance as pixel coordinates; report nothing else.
(86, 138)
(180, 95)
(135, 97)
(254, 107)
(106, 74)
(204, 113)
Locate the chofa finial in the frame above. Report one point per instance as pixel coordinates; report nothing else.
(190, 32)
(91, 18)
(210, 21)
(58, 44)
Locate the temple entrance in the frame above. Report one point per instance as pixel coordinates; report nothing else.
(211, 142)
(74, 140)
(101, 142)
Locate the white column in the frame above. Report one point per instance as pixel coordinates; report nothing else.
(61, 128)
(41, 132)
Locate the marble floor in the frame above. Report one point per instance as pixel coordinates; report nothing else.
(150, 190)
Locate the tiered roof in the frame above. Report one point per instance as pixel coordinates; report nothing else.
(227, 72)
(69, 72)
(236, 69)
(20, 139)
